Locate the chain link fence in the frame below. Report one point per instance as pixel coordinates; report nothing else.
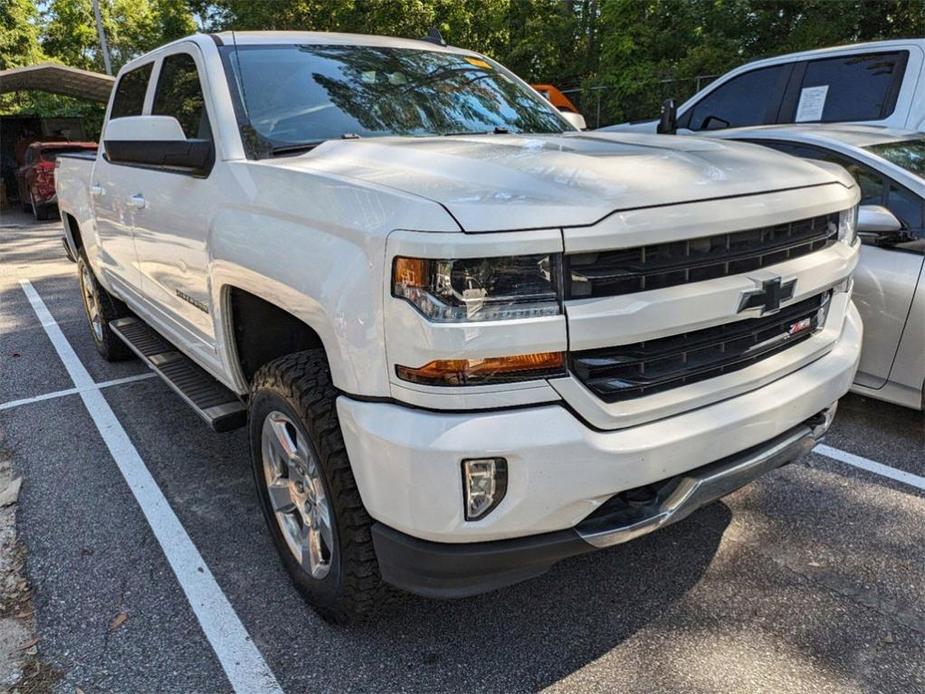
(600, 103)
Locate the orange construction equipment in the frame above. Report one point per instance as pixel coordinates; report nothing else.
(556, 97)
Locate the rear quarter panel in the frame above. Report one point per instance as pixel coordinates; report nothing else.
(72, 183)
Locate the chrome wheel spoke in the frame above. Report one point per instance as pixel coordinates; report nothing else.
(312, 559)
(324, 523)
(281, 496)
(284, 443)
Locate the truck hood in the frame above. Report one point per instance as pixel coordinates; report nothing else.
(508, 182)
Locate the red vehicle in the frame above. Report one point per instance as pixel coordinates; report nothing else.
(36, 177)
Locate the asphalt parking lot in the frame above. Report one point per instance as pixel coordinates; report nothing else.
(811, 579)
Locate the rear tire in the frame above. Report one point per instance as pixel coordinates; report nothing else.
(305, 484)
(101, 309)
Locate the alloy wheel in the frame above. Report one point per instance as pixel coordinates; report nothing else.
(293, 478)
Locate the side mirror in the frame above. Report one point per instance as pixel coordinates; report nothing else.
(668, 121)
(877, 225)
(157, 141)
(576, 119)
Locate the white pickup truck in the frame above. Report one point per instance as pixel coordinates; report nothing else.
(467, 339)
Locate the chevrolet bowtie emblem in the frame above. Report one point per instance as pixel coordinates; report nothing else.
(768, 297)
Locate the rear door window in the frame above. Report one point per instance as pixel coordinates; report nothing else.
(130, 94)
(847, 88)
(179, 94)
(752, 98)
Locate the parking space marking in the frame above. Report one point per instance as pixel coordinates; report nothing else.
(239, 657)
(871, 466)
(73, 391)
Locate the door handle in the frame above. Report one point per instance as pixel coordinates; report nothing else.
(96, 190)
(138, 200)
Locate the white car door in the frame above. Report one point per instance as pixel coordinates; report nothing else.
(172, 225)
(109, 191)
(886, 280)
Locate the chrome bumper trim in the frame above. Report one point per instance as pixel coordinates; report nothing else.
(715, 481)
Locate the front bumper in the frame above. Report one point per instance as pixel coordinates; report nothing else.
(407, 461)
(445, 570)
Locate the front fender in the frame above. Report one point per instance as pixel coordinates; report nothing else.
(331, 282)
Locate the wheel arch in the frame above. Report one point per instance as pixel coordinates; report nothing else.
(71, 232)
(258, 330)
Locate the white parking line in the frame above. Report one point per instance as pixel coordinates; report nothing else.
(241, 660)
(871, 466)
(72, 391)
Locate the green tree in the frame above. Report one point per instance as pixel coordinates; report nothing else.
(19, 34)
(659, 48)
(132, 28)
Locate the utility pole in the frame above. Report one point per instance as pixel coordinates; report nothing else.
(102, 32)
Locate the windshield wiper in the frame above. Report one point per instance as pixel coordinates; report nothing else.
(496, 131)
(297, 147)
(307, 146)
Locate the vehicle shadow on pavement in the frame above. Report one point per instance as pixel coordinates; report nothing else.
(542, 630)
(520, 638)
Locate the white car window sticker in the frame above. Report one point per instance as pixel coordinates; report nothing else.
(812, 101)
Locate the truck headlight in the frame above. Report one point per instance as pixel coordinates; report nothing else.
(479, 289)
(848, 225)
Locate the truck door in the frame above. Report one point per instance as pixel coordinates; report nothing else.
(109, 191)
(172, 225)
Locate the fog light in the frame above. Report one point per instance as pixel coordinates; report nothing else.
(484, 485)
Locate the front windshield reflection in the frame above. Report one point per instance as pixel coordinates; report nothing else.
(301, 94)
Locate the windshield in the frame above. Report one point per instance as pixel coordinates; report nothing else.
(302, 94)
(906, 154)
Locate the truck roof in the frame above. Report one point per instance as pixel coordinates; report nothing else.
(872, 46)
(324, 38)
(318, 38)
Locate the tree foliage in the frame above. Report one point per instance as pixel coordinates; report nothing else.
(656, 49)
(627, 55)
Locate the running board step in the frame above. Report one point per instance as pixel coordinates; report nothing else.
(215, 403)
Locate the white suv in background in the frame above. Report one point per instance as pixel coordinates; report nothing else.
(875, 83)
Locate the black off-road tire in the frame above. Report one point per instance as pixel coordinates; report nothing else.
(299, 386)
(110, 347)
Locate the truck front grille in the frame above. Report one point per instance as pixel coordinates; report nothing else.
(629, 270)
(631, 371)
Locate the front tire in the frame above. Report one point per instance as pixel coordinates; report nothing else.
(307, 490)
(101, 309)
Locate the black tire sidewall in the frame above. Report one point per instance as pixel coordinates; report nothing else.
(322, 592)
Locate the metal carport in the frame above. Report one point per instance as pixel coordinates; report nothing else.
(57, 79)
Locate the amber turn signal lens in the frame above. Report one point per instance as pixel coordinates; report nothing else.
(410, 272)
(462, 372)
